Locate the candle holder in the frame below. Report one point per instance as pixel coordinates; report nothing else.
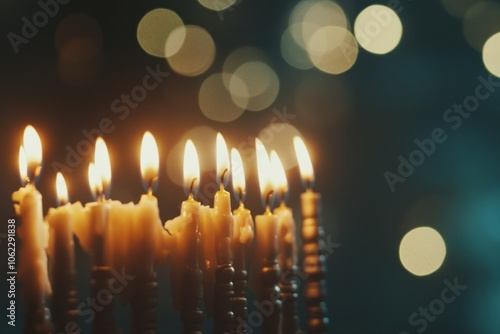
(314, 267)
(100, 282)
(269, 298)
(289, 300)
(143, 303)
(223, 299)
(191, 314)
(37, 318)
(64, 300)
(240, 305)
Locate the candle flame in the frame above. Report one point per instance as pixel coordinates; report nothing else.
(238, 174)
(23, 165)
(263, 170)
(61, 189)
(191, 168)
(279, 175)
(102, 164)
(222, 161)
(95, 182)
(33, 151)
(150, 160)
(305, 165)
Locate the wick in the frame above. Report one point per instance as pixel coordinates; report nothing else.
(308, 183)
(191, 188)
(151, 183)
(222, 179)
(240, 195)
(283, 192)
(268, 200)
(166, 229)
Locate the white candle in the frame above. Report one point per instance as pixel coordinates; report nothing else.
(287, 248)
(208, 258)
(184, 228)
(222, 216)
(33, 231)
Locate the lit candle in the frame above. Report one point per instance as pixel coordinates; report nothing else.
(312, 232)
(242, 240)
(223, 223)
(287, 250)
(61, 253)
(208, 259)
(34, 234)
(265, 225)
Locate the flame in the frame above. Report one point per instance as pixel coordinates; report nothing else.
(150, 160)
(95, 182)
(305, 165)
(222, 160)
(23, 165)
(238, 172)
(33, 151)
(61, 189)
(279, 176)
(102, 163)
(263, 169)
(191, 167)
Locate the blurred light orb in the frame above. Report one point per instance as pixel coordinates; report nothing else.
(332, 49)
(480, 22)
(295, 55)
(378, 29)
(78, 37)
(457, 8)
(261, 85)
(310, 15)
(216, 101)
(217, 5)
(154, 28)
(196, 53)
(491, 54)
(422, 251)
(279, 137)
(240, 56)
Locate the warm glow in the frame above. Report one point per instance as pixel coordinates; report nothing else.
(491, 54)
(150, 160)
(263, 169)
(102, 163)
(222, 160)
(422, 251)
(191, 167)
(61, 189)
(95, 182)
(304, 160)
(238, 173)
(279, 176)
(33, 150)
(23, 165)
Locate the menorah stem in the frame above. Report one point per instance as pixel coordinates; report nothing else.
(102, 283)
(143, 303)
(64, 301)
(289, 300)
(37, 318)
(240, 305)
(268, 299)
(191, 313)
(223, 299)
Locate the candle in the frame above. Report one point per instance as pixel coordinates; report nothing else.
(61, 253)
(287, 250)
(223, 223)
(34, 234)
(268, 269)
(312, 231)
(242, 239)
(208, 258)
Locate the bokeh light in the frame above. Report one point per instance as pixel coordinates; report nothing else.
(332, 49)
(378, 29)
(293, 53)
(481, 21)
(217, 5)
(422, 251)
(491, 54)
(196, 53)
(154, 29)
(215, 100)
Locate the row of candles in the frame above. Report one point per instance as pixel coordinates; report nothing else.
(207, 248)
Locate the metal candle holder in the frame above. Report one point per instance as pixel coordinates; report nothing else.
(191, 314)
(223, 299)
(143, 303)
(269, 295)
(37, 318)
(64, 300)
(100, 280)
(289, 300)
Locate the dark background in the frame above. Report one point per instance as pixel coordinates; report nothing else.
(356, 125)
